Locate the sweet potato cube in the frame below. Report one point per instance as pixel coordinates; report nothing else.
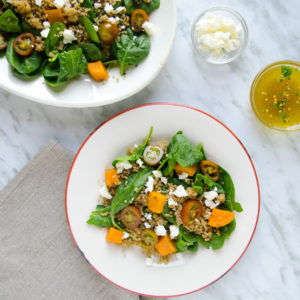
(111, 177)
(114, 236)
(165, 246)
(189, 170)
(156, 202)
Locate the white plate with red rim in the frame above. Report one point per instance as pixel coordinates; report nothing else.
(127, 268)
(84, 91)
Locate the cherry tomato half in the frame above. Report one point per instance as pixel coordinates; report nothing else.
(152, 155)
(138, 18)
(131, 217)
(24, 44)
(3, 40)
(191, 211)
(210, 169)
(108, 33)
(149, 239)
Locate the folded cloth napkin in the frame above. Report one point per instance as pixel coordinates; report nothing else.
(38, 259)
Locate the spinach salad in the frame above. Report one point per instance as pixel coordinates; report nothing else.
(61, 40)
(166, 198)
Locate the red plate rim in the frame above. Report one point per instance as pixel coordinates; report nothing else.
(171, 104)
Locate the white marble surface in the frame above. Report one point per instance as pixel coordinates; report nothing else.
(270, 268)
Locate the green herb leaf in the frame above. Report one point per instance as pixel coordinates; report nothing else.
(202, 180)
(90, 4)
(131, 5)
(168, 214)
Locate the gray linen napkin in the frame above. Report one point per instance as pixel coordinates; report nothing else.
(38, 259)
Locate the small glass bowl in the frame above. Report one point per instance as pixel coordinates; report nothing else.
(228, 57)
(252, 94)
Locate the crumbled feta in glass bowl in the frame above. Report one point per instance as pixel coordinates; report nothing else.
(220, 35)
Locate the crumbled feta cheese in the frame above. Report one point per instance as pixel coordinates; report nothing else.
(45, 32)
(103, 191)
(46, 24)
(136, 146)
(140, 162)
(125, 235)
(108, 8)
(59, 3)
(119, 9)
(97, 5)
(149, 261)
(148, 216)
(69, 36)
(164, 180)
(96, 27)
(172, 202)
(179, 192)
(149, 28)
(147, 225)
(183, 176)
(112, 20)
(217, 33)
(149, 184)
(123, 165)
(210, 195)
(38, 2)
(174, 231)
(157, 174)
(160, 230)
(211, 204)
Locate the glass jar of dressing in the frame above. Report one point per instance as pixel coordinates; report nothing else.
(275, 96)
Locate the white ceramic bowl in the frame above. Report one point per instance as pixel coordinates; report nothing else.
(126, 268)
(83, 91)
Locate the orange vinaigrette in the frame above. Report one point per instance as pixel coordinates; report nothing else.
(275, 96)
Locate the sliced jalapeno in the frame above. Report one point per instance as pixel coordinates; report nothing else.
(24, 44)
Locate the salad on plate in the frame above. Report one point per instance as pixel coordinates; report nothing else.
(166, 197)
(62, 39)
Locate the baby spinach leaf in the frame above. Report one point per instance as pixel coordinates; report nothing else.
(92, 52)
(89, 27)
(168, 214)
(2, 53)
(195, 238)
(97, 219)
(54, 37)
(181, 244)
(131, 49)
(178, 182)
(228, 185)
(128, 190)
(137, 154)
(26, 76)
(193, 248)
(28, 28)
(23, 65)
(217, 241)
(90, 4)
(180, 150)
(201, 150)
(131, 5)
(202, 181)
(9, 22)
(227, 230)
(68, 65)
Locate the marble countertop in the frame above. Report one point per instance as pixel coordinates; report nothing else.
(270, 269)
